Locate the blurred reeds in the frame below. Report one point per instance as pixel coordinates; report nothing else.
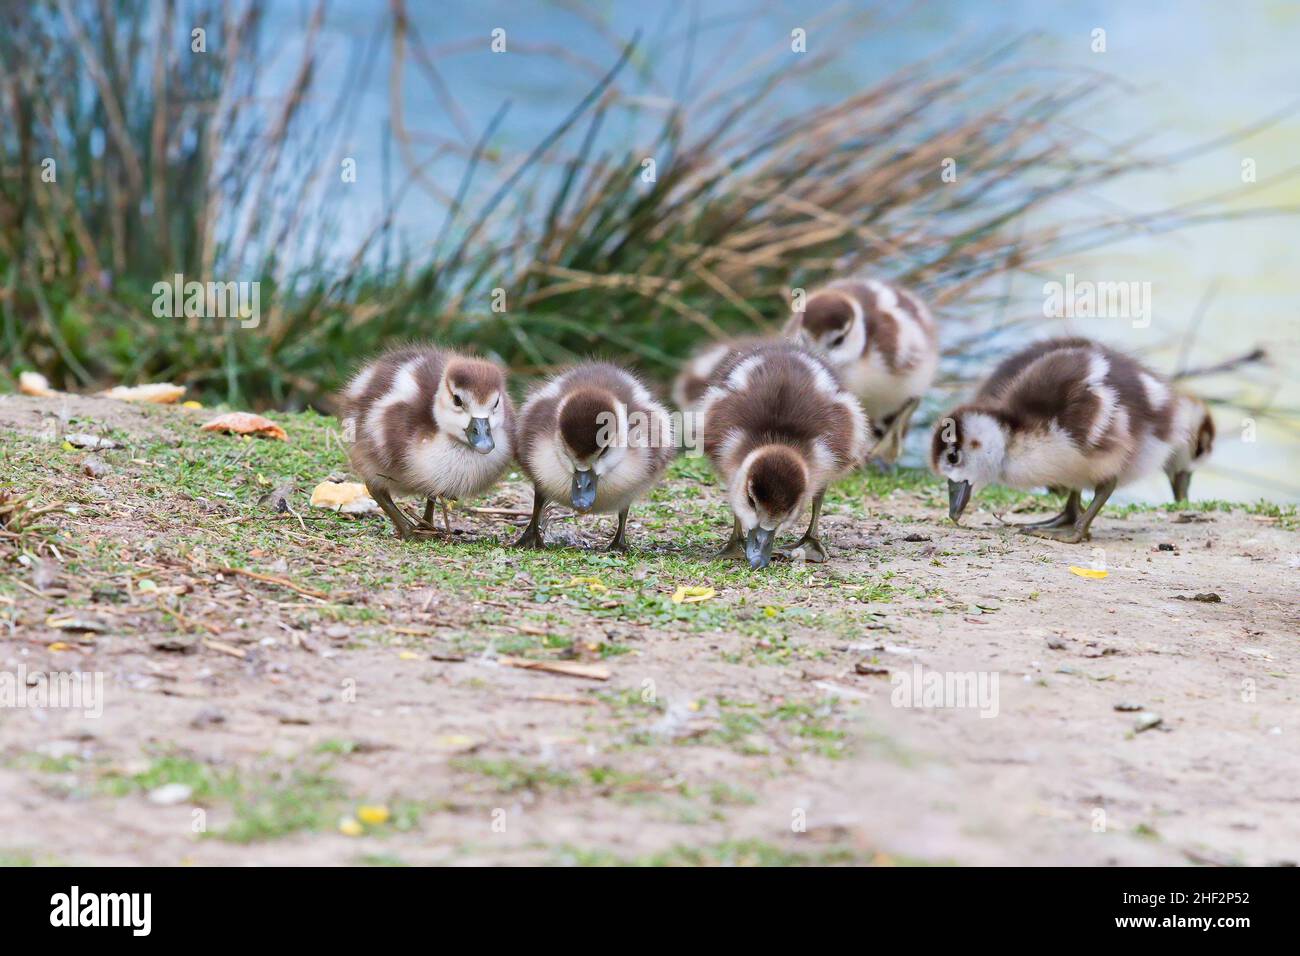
(169, 162)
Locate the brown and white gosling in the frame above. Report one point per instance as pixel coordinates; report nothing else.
(883, 342)
(427, 421)
(1193, 442)
(1063, 413)
(593, 438)
(778, 427)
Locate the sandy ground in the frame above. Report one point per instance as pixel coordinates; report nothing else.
(653, 762)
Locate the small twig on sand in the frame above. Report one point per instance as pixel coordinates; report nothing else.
(567, 668)
(224, 648)
(272, 579)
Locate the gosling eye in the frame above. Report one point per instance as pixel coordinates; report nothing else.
(496, 404)
(837, 341)
(752, 503)
(457, 399)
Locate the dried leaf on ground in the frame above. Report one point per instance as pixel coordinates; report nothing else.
(91, 442)
(34, 383)
(162, 393)
(1091, 573)
(347, 497)
(246, 423)
(692, 594)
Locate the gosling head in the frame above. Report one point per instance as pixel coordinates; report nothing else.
(969, 448)
(470, 404)
(768, 494)
(832, 321)
(592, 427)
(1193, 443)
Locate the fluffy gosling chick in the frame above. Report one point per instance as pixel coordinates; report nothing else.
(1193, 426)
(427, 421)
(883, 342)
(778, 428)
(1065, 413)
(595, 439)
(1193, 442)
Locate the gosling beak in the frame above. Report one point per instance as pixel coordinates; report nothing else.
(758, 547)
(479, 435)
(583, 492)
(1180, 482)
(958, 496)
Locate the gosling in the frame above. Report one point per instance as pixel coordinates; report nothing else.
(883, 342)
(427, 421)
(1065, 413)
(593, 438)
(778, 427)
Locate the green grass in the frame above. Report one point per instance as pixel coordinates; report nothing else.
(283, 803)
(757, 853)
(206, 783)
(513, 776)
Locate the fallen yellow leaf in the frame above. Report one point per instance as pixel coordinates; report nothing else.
(1089, 573)
(350, 827)
(408, 656)
(60, 646)
(191, 404)
(692, 594)
(373, 815)
(593, 584)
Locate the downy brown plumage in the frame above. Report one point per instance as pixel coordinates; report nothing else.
(778, 427)
(1192, 428)
(427, 421)
(595, 439)
(1064, 413)
(883, 342)
(694, 378)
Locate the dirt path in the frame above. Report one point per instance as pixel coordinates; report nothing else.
(758, 726)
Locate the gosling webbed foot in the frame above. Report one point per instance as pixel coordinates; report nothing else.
(1066, 535)
(806, 548)
(732, 550)
(531, 540)
(1063, 520)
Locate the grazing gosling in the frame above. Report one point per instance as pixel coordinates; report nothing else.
(427, 421)
(1193, 442)
(1065, 413)
(778, 428)
(1193, 426)
(593, 438)
(883, 342)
